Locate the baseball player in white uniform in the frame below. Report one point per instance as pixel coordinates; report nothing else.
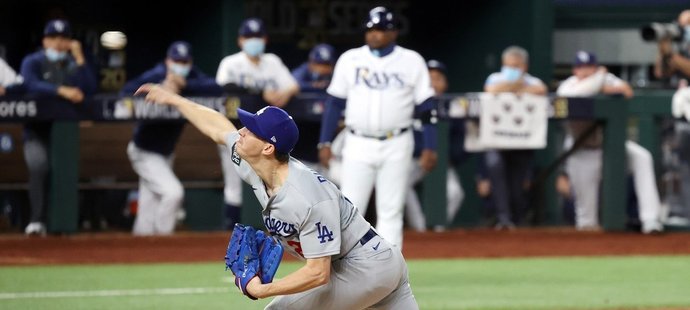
(380, 86)
(584, 166)
(347, 265)
(253, 71)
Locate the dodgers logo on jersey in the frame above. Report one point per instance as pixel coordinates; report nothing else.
(235, 157)
(378, 80)
(324, 233)
(279, 228)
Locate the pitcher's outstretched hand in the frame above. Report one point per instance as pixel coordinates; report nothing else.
(157, 94)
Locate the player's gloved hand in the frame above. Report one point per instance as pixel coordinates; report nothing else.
(242, 256)
(270, 255)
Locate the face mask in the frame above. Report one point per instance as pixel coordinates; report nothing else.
(511, 74)
(318, 77)
(181, 70)
(54, 56)
(254, 46)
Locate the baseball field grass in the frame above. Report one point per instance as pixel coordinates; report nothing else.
(630, 282)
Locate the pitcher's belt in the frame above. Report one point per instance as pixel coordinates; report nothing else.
(385, 136)
(370, 234)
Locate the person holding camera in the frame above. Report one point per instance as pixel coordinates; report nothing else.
(671, 63)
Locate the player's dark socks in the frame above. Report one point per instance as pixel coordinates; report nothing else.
(232, 215)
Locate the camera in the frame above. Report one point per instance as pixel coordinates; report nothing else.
(658, 31)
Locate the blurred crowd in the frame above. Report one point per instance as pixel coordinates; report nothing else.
(503, 177)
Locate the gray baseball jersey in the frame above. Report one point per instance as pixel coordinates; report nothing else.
(309, 215)
(312, 218)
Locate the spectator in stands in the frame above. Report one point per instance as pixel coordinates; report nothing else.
(584, 166)
(59, 70)
(152, 147)
(10, 81)
(255, 72)
(508, 170)
(313, 77)
(315, 74)
(454, 193)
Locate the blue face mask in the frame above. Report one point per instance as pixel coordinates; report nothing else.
(54, 55)
(511, 74)
(320, 77)
(181, 70)
(254, 46)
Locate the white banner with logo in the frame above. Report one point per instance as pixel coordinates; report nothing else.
(508, 121)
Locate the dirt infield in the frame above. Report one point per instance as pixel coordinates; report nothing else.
(107, 248)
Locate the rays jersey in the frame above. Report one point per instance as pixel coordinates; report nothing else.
(381, 92)
(309, 214)
(269, 74)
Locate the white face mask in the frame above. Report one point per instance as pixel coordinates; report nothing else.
(254, 46)
(54, 55)
(179, 69)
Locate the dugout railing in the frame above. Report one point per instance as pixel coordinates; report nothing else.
(205, 196)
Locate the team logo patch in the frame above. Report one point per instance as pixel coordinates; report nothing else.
(235, 157)
(325, 234)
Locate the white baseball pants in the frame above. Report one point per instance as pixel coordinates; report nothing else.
(385, 164)
(160, 192)
(584, 170)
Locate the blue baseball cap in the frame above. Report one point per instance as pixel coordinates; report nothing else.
(252, 27)
(323, 54)
(273, 125)
(180, 51)
(434, 64)
(584, 58)
(57, 27)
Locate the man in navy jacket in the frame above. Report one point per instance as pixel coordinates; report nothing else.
(151, 149)
(59, 70)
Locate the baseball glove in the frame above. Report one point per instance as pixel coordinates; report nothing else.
(242, 256)
(270, 255)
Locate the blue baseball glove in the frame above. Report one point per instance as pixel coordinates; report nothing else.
(242, 256)
(270, 255)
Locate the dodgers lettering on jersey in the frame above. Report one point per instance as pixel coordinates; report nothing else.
(270, 73)
(279, 228)
(308, 214)
(378, 86)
